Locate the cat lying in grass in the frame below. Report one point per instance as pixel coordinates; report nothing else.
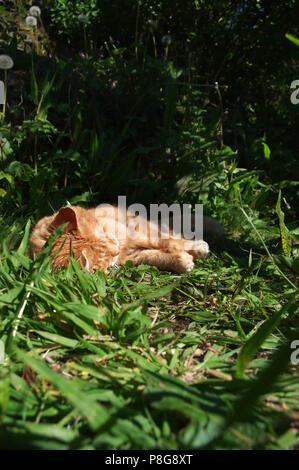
(99, 238)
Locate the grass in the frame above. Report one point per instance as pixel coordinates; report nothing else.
(142, 359)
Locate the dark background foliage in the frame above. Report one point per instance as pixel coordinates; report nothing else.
(121, 114)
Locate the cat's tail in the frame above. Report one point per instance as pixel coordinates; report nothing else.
(211, 228)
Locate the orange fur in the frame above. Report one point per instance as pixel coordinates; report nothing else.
(101, 249)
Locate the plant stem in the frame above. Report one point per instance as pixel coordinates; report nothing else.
(85, 39)
(36, 40)
(136, 30)
(155, 45)
(5, 95)
(220, 129)
(35, 151)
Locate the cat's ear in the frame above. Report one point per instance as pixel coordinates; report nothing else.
(66, 215)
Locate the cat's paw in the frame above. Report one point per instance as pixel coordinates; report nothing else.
(189, 266)
(184, 263)
(196, 248)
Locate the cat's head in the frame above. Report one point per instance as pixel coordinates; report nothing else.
(79, 239)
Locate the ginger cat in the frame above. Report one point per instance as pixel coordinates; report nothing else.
(100, 238)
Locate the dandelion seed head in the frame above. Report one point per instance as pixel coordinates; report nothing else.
(83, 18)
(152, 24)
(166, 40)
(35, 11)
(6, 62)
(31, 21)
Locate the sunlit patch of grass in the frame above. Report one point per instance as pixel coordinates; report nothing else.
(144, 359)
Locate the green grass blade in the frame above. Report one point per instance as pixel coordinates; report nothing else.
(252, 346)
(94, 413)
(286, 249)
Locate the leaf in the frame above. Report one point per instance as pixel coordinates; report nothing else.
(267, 151)
(4, 391)
(89, 330)
(101, 284)
(2, 352)
(5, 148)
(70, 343)
(290, 263)
(9, 297)
(73, 311)
(83, 279)
(33, 85)
(91, 312)
(292, 38)
(255, 342)
(171, 95)
(50, 431)
(284, 233)
(265, 379)
(259, 386)
(161, 292)
(170, 103)
(24, 242)
(77, 129)
(94, 148)
(9, 178)
(94, 413)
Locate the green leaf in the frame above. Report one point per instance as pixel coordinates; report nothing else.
(267, 151)
(70, 343)
(94, 413)
(9, 297)
(94, 148)
(50, 431)
(91, 312)
(9, 178)
(4, 391)
(33, 85)
(284, 233)
(255, 342)
(161, 292)
(259, 386)
(24, 242)
(265, 379)
(292, 38)
(2, 352)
